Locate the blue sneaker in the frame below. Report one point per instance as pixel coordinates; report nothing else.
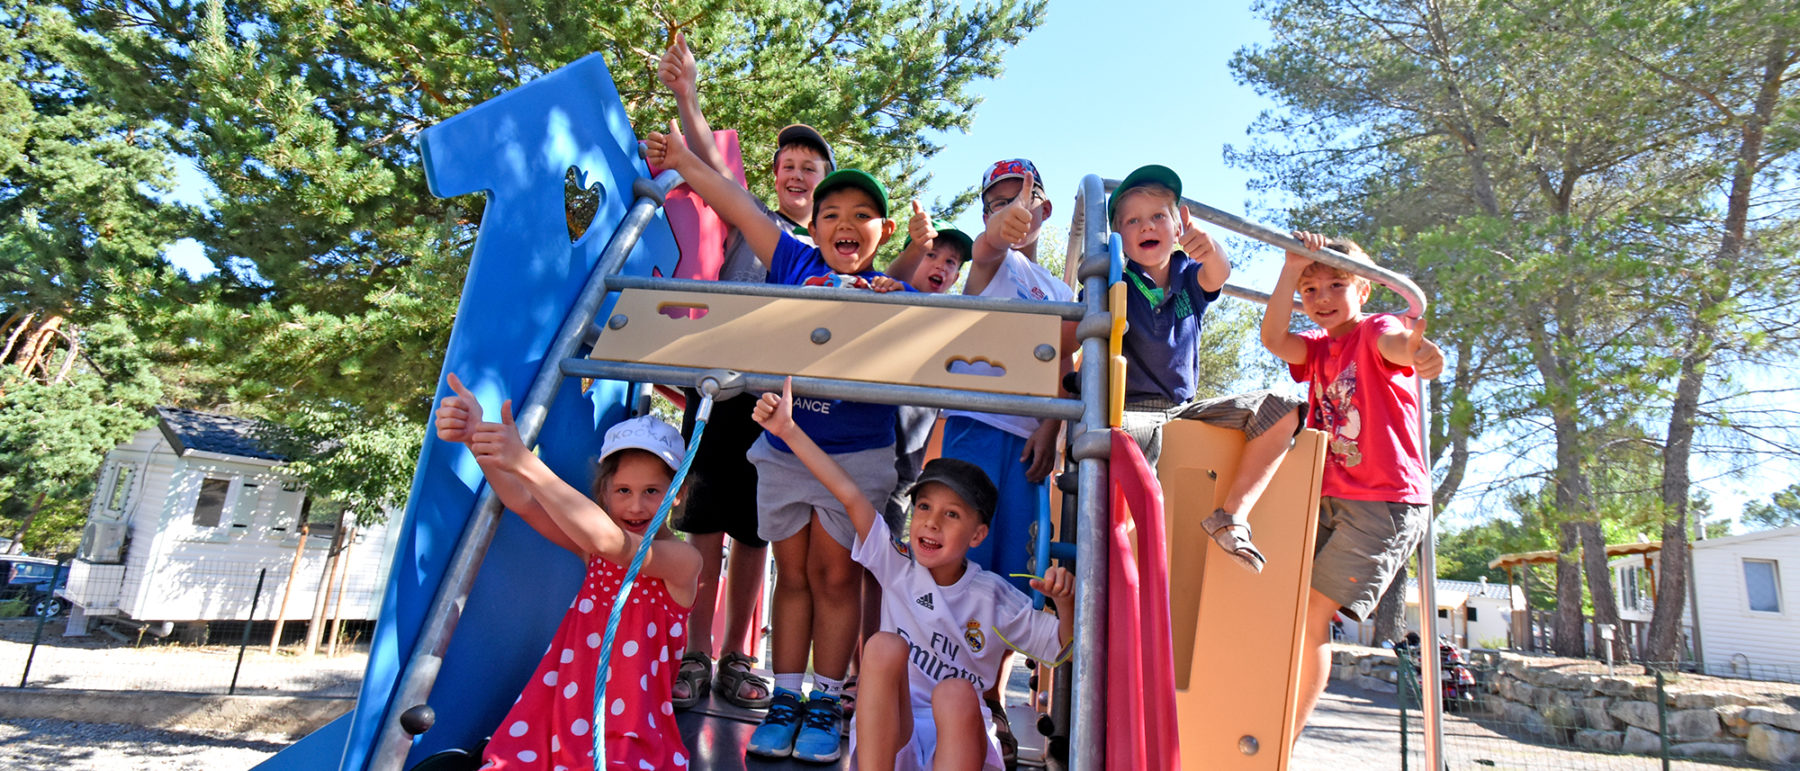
(775, 737)
(821, 731)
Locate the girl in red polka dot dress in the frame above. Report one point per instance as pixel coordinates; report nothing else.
(550, 727)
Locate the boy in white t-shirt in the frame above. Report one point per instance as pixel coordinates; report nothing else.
(947, 621)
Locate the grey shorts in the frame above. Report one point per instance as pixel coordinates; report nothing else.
(1252, 413)
(1360, 547)
(787, 493)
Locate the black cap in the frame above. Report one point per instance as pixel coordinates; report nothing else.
(965, 479)
(800, 133)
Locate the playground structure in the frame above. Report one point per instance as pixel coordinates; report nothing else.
(472, 595)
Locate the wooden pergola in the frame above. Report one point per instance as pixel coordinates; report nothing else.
(1522, 627)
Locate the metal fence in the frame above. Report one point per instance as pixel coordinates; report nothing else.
(1540, 712)
(216, 627)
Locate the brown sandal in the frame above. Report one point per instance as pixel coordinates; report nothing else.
(696, 674)
(1232, 533)
(734, 673)
(1003, 733)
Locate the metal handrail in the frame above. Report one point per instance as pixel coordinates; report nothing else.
(1091, 447)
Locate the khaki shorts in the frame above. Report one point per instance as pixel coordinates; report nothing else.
(1360, 548)
(787, 493)
(1252, 413)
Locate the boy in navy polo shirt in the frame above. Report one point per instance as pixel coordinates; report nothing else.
(817, 584)
(1170, 289)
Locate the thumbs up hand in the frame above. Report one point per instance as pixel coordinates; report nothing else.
(676, 70)
(776, 413)
(1013, 222)
(919, 228)
(1427, 358)
(458, 414)
(1196, 242)
(497, 445)
(667, 151)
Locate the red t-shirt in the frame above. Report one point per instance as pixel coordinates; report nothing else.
(1369, 411)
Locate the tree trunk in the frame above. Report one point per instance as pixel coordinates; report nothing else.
(32, 354)
(12, 338)
(1389, 620)
(287, 589)
(18, 540)
(317, 623)
(1567, 625)
(1599, 580)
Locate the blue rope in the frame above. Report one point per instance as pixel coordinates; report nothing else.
(631, 572)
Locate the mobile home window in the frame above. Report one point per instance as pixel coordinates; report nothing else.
(1472, 613)
(121, 486)
(211, 505)
(1762, 585)
(249, 496)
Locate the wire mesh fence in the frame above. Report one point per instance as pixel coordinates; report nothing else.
(1538, 712)
(207, 626)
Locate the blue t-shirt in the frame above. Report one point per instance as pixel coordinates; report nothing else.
(1162, 333)
(837, 426)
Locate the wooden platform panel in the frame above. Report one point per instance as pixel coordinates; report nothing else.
(868, 342)
(1237, 634)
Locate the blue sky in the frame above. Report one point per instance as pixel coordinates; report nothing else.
(1105, 87)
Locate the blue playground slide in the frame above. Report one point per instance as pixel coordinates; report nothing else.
(523, 280)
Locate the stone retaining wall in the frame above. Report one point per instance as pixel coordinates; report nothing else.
(1608, 713)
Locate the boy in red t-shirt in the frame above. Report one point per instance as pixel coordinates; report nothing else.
(1376, 490)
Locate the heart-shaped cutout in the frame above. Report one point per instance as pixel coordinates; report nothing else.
(581, 202)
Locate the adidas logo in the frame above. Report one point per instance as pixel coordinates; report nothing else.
(925, 600)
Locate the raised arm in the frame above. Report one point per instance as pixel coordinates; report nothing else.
(678, 72)
(1005, 228)
(921, 233)
(457, 419)
(587, 527)
(776, 415)
(1279, 313)
(733, 203)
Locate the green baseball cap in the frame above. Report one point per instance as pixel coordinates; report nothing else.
(1143, 174)
(856, 178)
(946, 230)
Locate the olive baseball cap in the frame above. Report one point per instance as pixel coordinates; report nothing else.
(1143, 174)
(856, 178)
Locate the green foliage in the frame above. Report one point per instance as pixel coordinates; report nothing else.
(1782, 510)
(339, 275)
(54, 436)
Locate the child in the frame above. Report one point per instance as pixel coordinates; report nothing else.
(1170, 289)
(949, 620)
(548, 727)
(1376, 492)
(1016, 452)
(720, 473)
(816, 583)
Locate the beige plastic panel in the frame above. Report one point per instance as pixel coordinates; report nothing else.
(1237, 635)
(872, 343)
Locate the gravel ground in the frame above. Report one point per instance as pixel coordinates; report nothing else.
(58, 745)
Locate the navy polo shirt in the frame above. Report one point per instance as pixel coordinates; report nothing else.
(1162, 340)
(837, 426)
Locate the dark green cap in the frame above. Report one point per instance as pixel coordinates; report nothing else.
(1143, 174)
(946, 230)
(856, 178)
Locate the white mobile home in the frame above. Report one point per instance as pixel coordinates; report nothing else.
(189, 513)
(1745, 590)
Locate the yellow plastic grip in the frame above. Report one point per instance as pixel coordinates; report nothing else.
(1115, 395)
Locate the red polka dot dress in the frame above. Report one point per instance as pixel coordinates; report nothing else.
(549, 727)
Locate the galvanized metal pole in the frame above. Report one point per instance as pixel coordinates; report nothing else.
(459, 576)
(1432, 702)
(1091, 447)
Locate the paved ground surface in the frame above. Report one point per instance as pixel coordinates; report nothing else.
(56, 745)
